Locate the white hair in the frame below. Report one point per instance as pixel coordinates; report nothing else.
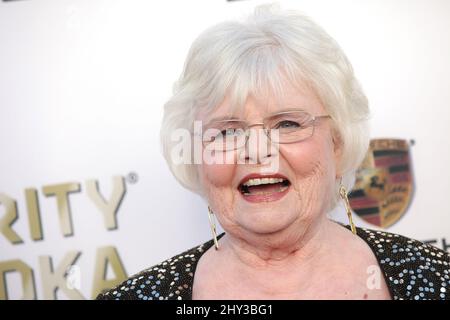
(238, 58)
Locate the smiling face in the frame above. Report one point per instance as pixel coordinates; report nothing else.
(249, 198)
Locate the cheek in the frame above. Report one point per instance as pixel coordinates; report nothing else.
(309, 158)
(217, 175)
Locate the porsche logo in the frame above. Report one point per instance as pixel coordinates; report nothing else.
(384, 183)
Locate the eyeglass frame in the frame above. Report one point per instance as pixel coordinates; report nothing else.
(267, 130)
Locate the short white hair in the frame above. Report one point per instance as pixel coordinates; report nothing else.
(251, 56)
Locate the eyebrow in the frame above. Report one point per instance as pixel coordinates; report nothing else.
(288, 110)
(223, 118)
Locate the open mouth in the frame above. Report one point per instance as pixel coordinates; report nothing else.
(264, 188)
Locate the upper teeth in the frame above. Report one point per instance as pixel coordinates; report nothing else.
(258, 181)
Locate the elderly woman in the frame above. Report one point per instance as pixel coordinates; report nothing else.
(283, 128)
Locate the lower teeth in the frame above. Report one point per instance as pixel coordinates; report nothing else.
(263, 193)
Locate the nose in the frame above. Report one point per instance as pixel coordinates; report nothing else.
(259, 149)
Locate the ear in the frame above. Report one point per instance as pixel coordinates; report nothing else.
(337, 149)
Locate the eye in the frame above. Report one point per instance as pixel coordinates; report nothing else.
(229, 132)
(287, 124)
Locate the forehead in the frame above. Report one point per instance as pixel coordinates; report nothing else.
(257, 106)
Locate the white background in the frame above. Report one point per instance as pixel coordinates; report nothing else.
(83, 82)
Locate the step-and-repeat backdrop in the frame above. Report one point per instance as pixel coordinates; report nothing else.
(86, 199)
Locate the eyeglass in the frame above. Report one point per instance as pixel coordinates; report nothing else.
(283, 127)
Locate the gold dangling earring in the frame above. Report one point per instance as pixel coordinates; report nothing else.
(344, 196)
(212, 224)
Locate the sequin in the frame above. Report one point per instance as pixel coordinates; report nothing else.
(413, 270)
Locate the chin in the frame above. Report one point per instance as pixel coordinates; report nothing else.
(267, 222)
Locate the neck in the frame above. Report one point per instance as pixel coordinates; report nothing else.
(280, 252)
